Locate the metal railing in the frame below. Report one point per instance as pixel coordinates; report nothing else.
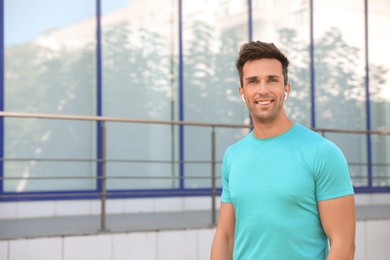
(103, 193)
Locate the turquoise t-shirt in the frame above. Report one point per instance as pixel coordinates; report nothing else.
(274, 185)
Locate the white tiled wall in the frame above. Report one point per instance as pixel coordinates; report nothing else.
(86, 248)
(48, 248)
(378, 238)
(373, 240)
(139, 205)
(71, 208)
(4, 250)
(360, 241)
(372, 199)
(380, 199)
(33, 209)
(134, 246)
(164, 245)
(168, 204)
(372, 243)
(198, 203)
(177, 245)
(8, 210)
(204, 242)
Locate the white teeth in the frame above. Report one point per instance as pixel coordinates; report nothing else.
(263, 102)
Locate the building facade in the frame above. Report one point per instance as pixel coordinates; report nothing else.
(174, 60)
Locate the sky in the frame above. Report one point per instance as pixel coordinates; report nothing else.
(24, 20)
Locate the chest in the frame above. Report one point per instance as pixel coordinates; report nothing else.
(265, 178)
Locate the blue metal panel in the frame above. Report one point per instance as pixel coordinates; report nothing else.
(99, 93)
(250, 21)
(181, 96)
(372, 189)
(84, 194)
(368, 109)
(250, 36)
(312, 74)
(145, 193)
(1, 94)
(49, 195)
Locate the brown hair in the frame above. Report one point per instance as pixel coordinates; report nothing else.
(255, 50)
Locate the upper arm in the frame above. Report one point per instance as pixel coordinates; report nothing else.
(339, 222)
(223, 243)
(227, 221)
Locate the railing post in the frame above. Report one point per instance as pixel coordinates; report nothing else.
(104, 189)
(213, 178)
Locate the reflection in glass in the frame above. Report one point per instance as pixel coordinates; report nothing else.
(286, 24)
(356, 156)
(140, 61)
(379, 66)
(339, 64)
(49, 68)
(339, 69)
(212, 34)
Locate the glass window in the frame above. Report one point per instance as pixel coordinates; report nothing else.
(379, 82)
(287, 24)
(339, 67)
(140, 80)
(339, 64)
(212, 34)
(50, 67)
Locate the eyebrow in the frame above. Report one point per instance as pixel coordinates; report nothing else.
(268, 76)
(273, 76)
(250, 78)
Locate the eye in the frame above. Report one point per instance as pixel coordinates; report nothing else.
(252, 81)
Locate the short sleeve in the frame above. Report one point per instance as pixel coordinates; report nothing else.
(225, 196)
(332, 174)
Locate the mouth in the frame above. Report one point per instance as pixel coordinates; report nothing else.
(263, 102)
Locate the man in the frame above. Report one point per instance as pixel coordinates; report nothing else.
(286, 189)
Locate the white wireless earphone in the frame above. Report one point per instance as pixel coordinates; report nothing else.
(243, 98)
(285, 95)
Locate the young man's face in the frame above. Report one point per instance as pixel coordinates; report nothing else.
(264, 89)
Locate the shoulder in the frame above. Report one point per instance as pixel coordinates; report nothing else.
(240, 144)
(315, 141)
(314, 147)
(308, 134)
(237, 149)
(304, 139)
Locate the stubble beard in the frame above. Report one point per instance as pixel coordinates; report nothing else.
(267, 117)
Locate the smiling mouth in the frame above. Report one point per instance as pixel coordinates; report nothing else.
(264, 102)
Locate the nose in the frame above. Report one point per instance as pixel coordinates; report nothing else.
(262, 87)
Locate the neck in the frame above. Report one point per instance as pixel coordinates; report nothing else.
(272, 129)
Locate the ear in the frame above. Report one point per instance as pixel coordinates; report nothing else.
(287, 88)
(240, 90)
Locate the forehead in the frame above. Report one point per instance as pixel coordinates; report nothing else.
(262, 67)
